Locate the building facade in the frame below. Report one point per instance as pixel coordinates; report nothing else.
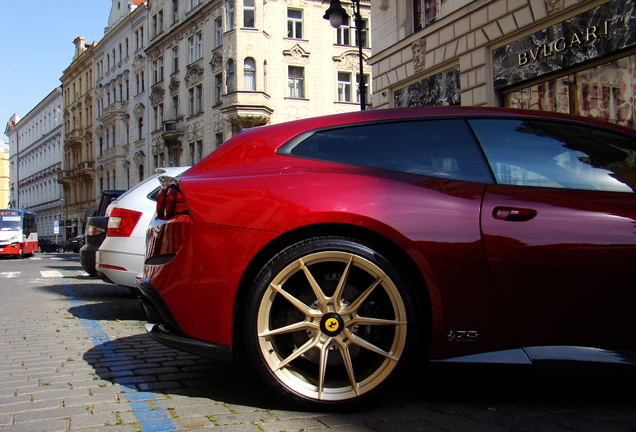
(4, 174)
(217, 67)
(121, 99)
(35, 161)
(570, 56)
(78, 171)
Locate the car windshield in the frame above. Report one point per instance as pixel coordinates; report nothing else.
(10, 223)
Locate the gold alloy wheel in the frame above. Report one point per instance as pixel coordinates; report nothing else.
(331, 326)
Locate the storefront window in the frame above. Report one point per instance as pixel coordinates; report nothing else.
(606, 92)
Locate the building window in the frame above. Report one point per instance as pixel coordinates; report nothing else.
(218, 88)
(294, 23)
(194, 3)
(157, 68)
(195, 96)
(265, 76)
(140, 128)
(295, 82)
(196, 151)
(229, 15)
(195, 44)
(249, 74)
(344, 86)
(175, 60)
(249, 11)
(365, 31)
(198, 90)
(199, 45)
(175, 107)
(175, 11)
(159, 117)
(191, 101)
(231, 76)
(424, 13)
(218, 32)
(343, 33)
(367, 88)
(218, 139)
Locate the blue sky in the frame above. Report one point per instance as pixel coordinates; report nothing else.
(37, 38)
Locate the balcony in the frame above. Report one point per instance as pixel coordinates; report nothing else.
(172, 129)
(66, 176)
(115, 108)
(76, 136)
(115, 152)
(246, 108)
(85, 166)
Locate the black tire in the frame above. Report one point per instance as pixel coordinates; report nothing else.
(366, 341)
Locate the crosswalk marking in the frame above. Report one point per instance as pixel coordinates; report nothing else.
(45, 274)
(51, 273)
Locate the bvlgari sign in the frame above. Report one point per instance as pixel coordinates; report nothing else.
(604, 30)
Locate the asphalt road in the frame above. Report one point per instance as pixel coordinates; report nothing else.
(74, 356)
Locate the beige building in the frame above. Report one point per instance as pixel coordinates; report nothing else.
(572, 56)
(78, 171)
(216, 67)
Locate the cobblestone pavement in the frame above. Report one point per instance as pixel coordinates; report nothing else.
(74, 356)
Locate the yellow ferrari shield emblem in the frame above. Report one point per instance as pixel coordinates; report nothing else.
(332, 324)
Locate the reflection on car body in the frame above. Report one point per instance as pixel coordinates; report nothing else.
(341, 251)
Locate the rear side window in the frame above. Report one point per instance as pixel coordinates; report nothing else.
(529, 152)
(438, 148)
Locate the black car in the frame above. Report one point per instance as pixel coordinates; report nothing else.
(95, 231)
(75, 244)
(45, 245)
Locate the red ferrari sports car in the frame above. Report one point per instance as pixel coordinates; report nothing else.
(338, 251)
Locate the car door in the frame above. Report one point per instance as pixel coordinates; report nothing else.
(559, 231)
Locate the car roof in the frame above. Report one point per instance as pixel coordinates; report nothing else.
(265, 140)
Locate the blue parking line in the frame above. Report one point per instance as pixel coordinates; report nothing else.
(151, 418)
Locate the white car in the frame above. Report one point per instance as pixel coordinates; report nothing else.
(120, 258)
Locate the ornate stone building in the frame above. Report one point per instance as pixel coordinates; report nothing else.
(571, 56)
(216, 67)
(121, 99)
(35, 161)
(78, 172)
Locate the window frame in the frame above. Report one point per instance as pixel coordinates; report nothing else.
(294, 24)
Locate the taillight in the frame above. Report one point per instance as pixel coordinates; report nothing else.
(122, 222)
(170, 202)
(93, 230)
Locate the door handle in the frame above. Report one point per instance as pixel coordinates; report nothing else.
(513, 214)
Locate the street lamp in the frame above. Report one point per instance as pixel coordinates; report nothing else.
(336, 14)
